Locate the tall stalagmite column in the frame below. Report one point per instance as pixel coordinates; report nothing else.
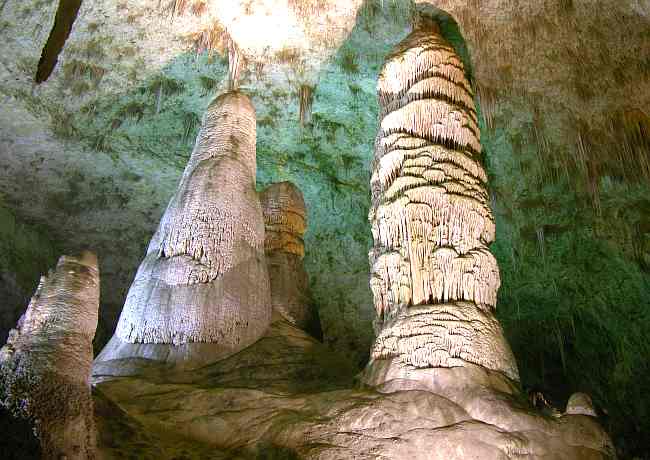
(45, 365)
(433, 278)
(202, 291)
(284, 216)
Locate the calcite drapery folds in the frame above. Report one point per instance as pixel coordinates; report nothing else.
(46, 364)
(202, 290)
(434, 280)
(285, 220)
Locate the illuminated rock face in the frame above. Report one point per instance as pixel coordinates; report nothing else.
(45, 365)
(204, 278)
(284, 217)
(434, 280)
(435, 285)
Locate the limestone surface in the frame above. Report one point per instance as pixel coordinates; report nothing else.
(444, 378)
(287, 396)
(46, 363)
(562, 59)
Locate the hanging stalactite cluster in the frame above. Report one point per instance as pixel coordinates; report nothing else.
(434, 279)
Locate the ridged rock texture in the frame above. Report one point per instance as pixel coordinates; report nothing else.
(287, 396)
(46, 363)
(434, 279)
(285, 224)
(203, 286)
(547, 73)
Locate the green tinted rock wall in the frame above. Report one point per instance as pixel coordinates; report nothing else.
(574, 300)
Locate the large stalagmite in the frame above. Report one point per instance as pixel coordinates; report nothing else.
(435, 283)
(45, 365)
(434, 279)
(202, 291)
(285, 219)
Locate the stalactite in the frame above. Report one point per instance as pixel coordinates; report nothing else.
(306, 100)
(211, 39)
(433, 278)
(488, 101)
(66, 15)
(235, 65)
(632, 130)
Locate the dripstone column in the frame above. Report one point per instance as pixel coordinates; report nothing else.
(202, 290)
(433, 277)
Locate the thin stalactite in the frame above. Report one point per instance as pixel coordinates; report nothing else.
(66, 15)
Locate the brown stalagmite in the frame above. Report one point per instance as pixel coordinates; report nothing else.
(46, 364)
(433, 278)
(285, 220)
(202, 291)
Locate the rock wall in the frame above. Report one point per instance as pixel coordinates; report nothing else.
(45, 365)
(583, 83)
(25, 252)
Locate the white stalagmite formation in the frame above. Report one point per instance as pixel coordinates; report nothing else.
(204, 277)
(433, 277)
(285, 220)
(46, 364)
